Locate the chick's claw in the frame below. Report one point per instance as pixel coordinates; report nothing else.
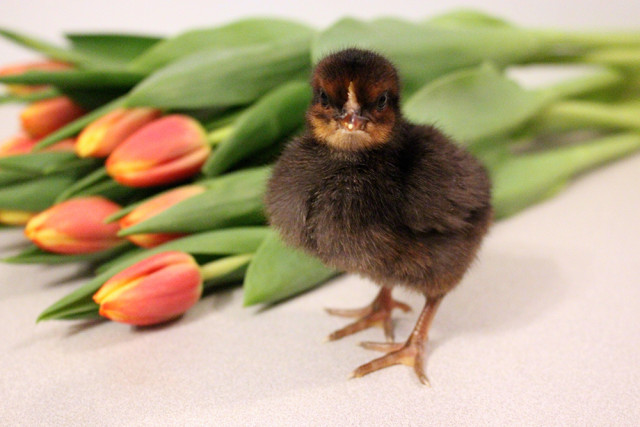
(367, 321)
(410, 354)
(385, 347)
(378, 313)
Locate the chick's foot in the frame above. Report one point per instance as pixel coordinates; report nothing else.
(410, 353)
(378, 313)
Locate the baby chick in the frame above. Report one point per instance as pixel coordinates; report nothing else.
(369, 193)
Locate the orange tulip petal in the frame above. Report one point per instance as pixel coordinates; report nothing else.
(101, 137)
(159, 203)
(154, 290)
(44, 117)
(142, 268)
(143, 175)
(75, 226)
(169, 149)
(19, 144)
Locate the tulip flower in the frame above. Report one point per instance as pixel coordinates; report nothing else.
(19, 89)
(75, 226)
(9, 217)
(169, 149)
(153, 207)
(101, 137)
(19, 144)
(44, 117)
(22, 144)
(157, 289)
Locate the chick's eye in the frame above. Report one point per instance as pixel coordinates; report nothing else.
(324, 99)
(381, 103)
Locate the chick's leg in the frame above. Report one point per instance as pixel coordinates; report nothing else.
(410, 353)
(376, 313)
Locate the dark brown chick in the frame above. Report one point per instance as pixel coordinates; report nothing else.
(369, 193)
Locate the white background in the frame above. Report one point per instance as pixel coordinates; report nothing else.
(544, 330)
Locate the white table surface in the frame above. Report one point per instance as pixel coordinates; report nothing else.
(544, 330)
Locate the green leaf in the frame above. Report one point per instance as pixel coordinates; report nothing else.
(98, 175)
(473, 104)
(77, 125)
(10, 176)
(527, 179)
(81, 310)
(82, 79)
(113, 191)
(124, 211)
(220, 242)
(469, 18)
(45, 162)
(223, 77)
(481, 102)
(597, 80)
(246, 32)
(425, 51)
(273, 117)
(230, 200)
(35, 255)
(568, 115)
(36, 194)
(99, 183)
(278, 272)
(107, 264)
(117, 48)
(39, 95)
(54, 52)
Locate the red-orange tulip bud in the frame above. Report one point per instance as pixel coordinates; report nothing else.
(153, 207)
(22, 144)
(19, 89)
(101, 137)
(169, 149)
(75, 226)
(44, 117)
(152, 291)
(19, 144)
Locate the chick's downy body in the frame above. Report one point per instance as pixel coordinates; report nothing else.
(369, 193)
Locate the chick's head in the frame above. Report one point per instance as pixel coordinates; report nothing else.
(355, 102)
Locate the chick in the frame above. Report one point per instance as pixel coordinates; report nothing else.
(369, 193)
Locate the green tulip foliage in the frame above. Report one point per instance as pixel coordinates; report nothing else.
(247, 82)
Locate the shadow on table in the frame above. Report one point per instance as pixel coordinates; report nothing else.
(502, 292)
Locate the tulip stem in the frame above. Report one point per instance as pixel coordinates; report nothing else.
(218, 135)
(567, 115)
(217, 271)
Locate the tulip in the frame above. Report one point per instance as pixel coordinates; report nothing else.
(9, 217)
(169, 149)
(75, 226)
(22, 144)
(19, 144)
(153, 207)
(157, 289)
(19, 89)
(43, 117)
(101, 137)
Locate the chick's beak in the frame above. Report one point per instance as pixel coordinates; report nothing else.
(351, 119)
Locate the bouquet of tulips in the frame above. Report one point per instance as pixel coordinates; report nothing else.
(148, 157)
